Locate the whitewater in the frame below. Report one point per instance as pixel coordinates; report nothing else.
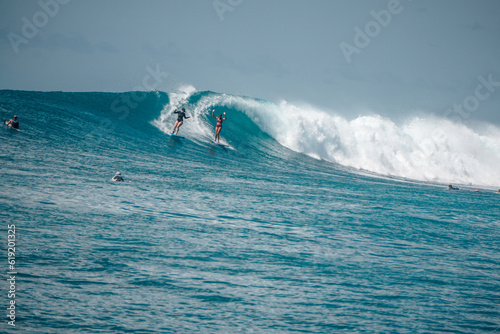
(427, 149)
(307, 222)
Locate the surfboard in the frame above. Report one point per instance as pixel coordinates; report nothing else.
(9, 126)
(221, 144)
(175, 136)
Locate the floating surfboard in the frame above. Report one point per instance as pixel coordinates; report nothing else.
(175, 136)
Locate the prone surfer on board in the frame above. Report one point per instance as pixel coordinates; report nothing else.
(218, 127)
(13, 123)
(180, 119)
(118, 177)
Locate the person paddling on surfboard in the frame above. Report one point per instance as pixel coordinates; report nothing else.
(13, 123)
(218, 127)
(180, 119)
(118, 177)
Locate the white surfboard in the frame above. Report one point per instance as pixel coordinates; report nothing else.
(221, 144)
(9, 126)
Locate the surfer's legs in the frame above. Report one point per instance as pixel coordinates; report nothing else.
(217, 132)
(176, 127)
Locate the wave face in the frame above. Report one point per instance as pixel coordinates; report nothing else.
(428, 149)
(262, 236)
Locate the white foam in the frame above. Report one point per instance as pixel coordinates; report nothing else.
(427, 149)
(177, 100)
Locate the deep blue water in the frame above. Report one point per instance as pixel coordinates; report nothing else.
(251, 238)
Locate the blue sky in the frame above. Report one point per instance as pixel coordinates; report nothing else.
(439, 57)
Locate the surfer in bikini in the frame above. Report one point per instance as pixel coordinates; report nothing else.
(13, 123)
(180, 119)
(218, 127)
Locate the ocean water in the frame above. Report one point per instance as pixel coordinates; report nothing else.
(306, 223)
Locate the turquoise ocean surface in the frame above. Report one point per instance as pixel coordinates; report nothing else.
(305, 223)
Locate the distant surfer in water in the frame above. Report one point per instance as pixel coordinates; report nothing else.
(118, 177)
(180, 119)
(13, 123)
(218, 127)
(452, 187)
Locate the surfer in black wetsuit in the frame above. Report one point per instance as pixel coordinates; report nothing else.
(13, 123)
(218, 127)
(180, 119)
(118, 177)
(452, 187)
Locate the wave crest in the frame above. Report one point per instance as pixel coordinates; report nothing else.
(423, 148)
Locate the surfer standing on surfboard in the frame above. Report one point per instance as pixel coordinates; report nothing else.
(218, 127)
(180, 119)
